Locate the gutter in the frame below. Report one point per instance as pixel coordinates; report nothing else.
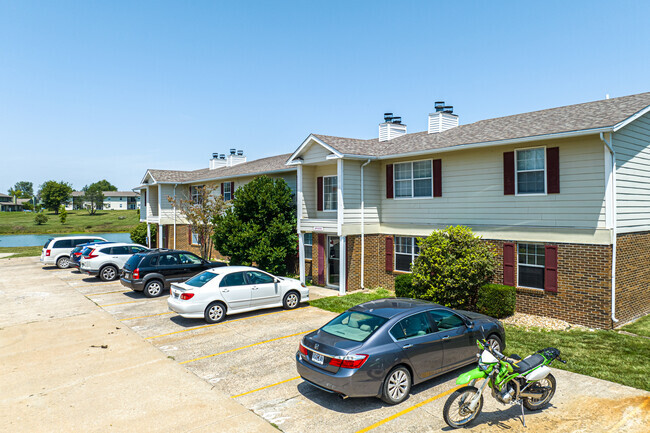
(363, 224)
(612, 152)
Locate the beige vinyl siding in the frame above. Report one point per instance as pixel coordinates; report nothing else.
(152, 199)
(352, 192)
(143, 206)
(632, 146)
(472, 191)
(309, 192)
(311, 217)
(315, 153)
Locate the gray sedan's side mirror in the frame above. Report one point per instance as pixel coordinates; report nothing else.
(276, 280)
(470, 324)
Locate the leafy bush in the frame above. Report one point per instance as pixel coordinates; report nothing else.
(40, 218)
(260, 226)
(452, 265)
(404, 286)
(139, 234)
(496, 300)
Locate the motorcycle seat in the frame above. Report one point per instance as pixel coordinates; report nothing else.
(528, 363)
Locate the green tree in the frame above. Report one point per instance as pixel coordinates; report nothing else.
(93, 197)
(260, 226)
(139, 234)
(63, 214)
(453, 264)
(22, 189)
(40, 218)
(105, 185)
(53, 194)
(200, 213)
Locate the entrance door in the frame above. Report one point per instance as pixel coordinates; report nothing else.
(333, 257)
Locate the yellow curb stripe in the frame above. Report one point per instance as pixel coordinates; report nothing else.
(108, 293)
(265, 387)
(409, 409)
(246, 347)
(150, 315)
(221, 323)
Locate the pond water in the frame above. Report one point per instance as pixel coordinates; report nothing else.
(35, 240)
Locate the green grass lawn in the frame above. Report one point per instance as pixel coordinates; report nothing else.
(640, 327)
(79, 221)
(339, 304)
(22, 251)
(603, 354)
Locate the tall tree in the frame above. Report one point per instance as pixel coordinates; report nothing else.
(22, 189)
(93, 197)
(54, 194)
(105, 185)
(260, 226)
(199, 213)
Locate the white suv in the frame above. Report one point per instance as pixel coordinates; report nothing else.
(57, 250)
(106, 261)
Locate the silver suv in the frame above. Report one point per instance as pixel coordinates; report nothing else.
(106, 261)
(57, 250)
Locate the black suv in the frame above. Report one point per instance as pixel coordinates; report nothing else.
(153, 271)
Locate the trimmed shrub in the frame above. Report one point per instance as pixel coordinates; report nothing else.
(496, 300)
(40, 218)
(139, 234)
(404, 286)
(453, 264)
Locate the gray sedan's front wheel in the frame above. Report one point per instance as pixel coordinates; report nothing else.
(397, 386)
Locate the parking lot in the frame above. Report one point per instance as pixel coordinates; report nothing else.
(250, 357)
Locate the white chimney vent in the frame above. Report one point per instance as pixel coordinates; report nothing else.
(218, 161)
(443, 119)
(391, 128)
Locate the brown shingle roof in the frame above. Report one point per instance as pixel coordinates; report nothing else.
(590, 115)
(262, 165)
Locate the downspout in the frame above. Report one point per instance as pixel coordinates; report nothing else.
(363, 224)
(614, 232)
(175, 185)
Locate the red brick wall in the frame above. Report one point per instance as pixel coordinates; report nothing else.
(632, 276)
(182, 242)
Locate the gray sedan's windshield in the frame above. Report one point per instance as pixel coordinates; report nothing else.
(201, 279)
(354, 325)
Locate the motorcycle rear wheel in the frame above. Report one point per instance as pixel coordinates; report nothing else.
(456, 412)
(548, 385)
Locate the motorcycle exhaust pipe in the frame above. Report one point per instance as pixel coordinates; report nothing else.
(531, 394)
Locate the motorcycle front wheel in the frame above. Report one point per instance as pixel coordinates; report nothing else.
(544, 386)
(457, 413)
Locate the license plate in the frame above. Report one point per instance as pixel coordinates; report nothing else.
(317, 358)
(127, 275)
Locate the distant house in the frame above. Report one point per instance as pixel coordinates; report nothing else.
(10, 203)
(113, 200)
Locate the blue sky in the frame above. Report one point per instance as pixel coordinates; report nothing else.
(96, 89)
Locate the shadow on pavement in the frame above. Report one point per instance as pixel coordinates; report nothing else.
(189, 323)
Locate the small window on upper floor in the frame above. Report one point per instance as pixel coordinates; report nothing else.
(414, 179)
(330, 190)
(530, 171)
(227, 191)
(196, 194)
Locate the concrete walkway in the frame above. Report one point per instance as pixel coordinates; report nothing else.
(66, 365)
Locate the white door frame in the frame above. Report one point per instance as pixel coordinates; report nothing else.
(327, 261)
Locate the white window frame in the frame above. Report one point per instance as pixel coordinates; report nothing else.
(195, 238)
(526, 264)
(335, 184)
(227, 186)
(309, 244)
(195, 193)
(517, 172)
(395, 253)
(412, 197)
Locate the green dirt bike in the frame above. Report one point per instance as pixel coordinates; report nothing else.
(527, 382)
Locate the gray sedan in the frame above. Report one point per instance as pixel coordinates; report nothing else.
(381, 348)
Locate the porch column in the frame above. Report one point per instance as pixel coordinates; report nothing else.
(148, 235)
(301, 256)
(160, 236)
(342, 265)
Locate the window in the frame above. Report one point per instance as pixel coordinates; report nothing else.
(530, 270)
(235, 279)
(201, 279)
(227, 191)
(412, 326)
(308, 244)
(120, 251)
(168, 260)
(530, 171)
(135, 250)
(406, 250)
(414, 179)
(354, 325)
(330, 188)
(189, 259)
(256, 277)
(196, 194)
(195, 238)
(446, 320)
(66, 243)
